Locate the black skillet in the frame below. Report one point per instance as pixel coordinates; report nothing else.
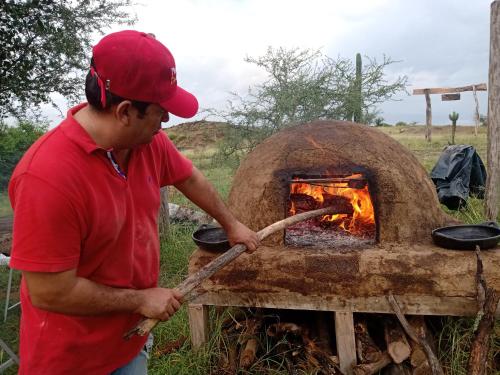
(211, 238)
(466, 237)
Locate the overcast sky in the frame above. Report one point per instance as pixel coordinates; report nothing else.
(439, 43)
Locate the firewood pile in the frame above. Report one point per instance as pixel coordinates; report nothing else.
(267, 341)
(394, 352)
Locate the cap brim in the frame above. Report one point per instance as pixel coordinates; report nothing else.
(181, 104)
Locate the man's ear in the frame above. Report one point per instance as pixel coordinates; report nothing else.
(123, 112)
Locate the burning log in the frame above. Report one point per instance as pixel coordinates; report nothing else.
(341, 204)
(303, 202)
(366, 349)
(397, 344)
(373, 367)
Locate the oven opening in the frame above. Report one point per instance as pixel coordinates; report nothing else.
(353, 223)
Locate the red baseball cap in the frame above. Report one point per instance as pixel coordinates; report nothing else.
(136, 66)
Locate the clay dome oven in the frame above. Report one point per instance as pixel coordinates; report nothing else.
(395, 201)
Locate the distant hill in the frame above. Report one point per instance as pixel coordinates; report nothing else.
(197, 134)
(202, 134)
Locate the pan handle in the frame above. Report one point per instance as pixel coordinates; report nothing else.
(493, 224)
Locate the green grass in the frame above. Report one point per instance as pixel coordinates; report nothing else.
(455, 335)
(218, 172)
(5, 208)
(428, 152)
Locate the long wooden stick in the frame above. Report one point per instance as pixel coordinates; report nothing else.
(145, 326)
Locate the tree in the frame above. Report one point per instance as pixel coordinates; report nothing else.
(14, 141)
(304, 85)
(46, 46)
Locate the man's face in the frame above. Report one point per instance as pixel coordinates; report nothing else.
(144, 127)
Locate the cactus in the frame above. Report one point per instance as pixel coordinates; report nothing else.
(453, 116)
(358, 99)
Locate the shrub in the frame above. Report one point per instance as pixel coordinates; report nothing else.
(14, 141)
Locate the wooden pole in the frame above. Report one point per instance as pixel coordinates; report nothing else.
(476, 112)
(190, 283)
(428, 115)
(493, 181)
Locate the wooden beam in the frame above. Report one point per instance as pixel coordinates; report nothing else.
(449, 97)
(413, 305)
(492, 184)
(448, 90)
(346, 345)
(198, 324)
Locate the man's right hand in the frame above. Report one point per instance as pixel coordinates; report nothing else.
(159, 303)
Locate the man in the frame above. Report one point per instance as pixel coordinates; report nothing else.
(86, 200)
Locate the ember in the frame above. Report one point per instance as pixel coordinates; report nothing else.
(353, 224)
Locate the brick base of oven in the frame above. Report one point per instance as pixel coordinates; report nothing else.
(425, 279)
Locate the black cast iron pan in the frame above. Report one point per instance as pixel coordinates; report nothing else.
(211, 238)
(467, 237)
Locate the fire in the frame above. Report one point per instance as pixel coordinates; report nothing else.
(363, 213)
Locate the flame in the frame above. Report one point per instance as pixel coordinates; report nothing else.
(363, 212)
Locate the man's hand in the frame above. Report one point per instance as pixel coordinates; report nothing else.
(159, 303)
(240, 233)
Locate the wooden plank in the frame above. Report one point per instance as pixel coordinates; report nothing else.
(410, 304)
(448, 90)
(428, 116)
(492, 200)
(198, 324)
(449, 97)
(346, 345)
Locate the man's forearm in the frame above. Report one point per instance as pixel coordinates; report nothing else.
(85, 297)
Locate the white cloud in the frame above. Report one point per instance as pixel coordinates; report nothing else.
(439, 43)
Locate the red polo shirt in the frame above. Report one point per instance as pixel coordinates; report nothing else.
(73, 210)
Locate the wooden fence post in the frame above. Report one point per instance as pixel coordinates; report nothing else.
(492, 184)
(164, 218)
(476, 111)
(428, 116)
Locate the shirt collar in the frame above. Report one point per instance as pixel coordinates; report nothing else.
(75, 131)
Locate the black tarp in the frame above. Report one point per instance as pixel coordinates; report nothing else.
(458, 173)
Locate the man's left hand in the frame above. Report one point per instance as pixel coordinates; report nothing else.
(240, 233)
